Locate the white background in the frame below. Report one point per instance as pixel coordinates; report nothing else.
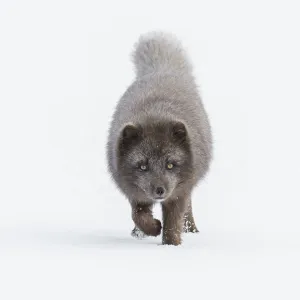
(64, 227)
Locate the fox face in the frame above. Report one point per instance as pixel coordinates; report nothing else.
(155, 159)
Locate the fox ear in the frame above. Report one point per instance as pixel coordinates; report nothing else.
(130, 135)
(130, 132)
(179, 132)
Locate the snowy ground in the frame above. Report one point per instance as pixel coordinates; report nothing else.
(91, 264)
(64, 227)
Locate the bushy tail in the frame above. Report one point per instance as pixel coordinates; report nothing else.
(158, 51)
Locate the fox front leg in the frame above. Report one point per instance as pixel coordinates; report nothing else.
(173, 213)
(144, 221)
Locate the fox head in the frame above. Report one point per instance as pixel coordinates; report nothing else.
(155, 158)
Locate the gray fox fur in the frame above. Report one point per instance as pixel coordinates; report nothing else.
(160, 145)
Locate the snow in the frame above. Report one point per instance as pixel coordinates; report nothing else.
(65, 228)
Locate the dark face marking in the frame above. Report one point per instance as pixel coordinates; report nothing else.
(155, 158)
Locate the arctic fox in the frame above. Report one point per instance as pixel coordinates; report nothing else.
(160, 143)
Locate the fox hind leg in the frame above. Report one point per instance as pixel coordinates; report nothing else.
(189, 222)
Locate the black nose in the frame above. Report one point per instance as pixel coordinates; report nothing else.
(160, 191)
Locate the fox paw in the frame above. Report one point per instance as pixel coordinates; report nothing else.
(138, 233)
(152, 228)
(190, 227)
(155, 229)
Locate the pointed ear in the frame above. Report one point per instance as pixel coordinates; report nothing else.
(179, 132)
(130, 134)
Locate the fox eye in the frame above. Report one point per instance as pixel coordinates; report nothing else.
(170, 166)
(143, 167)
